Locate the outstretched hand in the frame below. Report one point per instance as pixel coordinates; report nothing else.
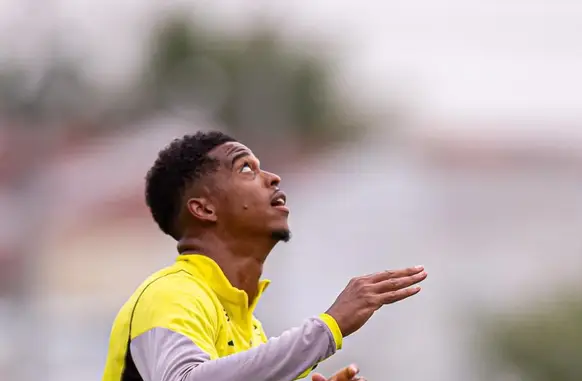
(349, 373)
(364, 295)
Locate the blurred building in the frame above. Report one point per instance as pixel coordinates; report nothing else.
(496, 222)
(491, 207)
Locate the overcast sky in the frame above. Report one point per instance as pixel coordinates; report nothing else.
(456, 58)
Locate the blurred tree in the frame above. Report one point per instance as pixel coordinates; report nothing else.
(56, 94)
(253, 83)
(545, 344)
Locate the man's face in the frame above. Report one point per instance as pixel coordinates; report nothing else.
(247, 199)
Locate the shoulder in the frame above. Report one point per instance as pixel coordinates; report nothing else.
(170, 287)
(171, 299)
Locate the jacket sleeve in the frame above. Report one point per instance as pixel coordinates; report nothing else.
(161, 354)
(173, 338)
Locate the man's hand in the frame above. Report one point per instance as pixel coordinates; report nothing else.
(346, 374)
(365, 295)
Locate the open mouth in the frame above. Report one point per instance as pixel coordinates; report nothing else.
(279, 201)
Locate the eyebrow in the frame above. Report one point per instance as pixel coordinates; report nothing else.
(239, 156)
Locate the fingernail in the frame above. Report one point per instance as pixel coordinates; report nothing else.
(419, 267)
(354, 369)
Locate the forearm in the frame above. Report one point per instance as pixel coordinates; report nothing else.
(168, 356)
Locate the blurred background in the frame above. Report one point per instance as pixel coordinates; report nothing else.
(446, 133)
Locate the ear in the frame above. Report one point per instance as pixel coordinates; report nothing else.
(202, 209)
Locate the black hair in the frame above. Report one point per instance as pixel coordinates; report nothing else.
(182, 163)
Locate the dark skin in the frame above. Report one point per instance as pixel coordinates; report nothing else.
(231, 219)
(236, 218)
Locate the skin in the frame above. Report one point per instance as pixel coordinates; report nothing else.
(349, 373)
(231, 218)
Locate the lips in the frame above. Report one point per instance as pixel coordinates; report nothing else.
(279, 199)
(279, 202)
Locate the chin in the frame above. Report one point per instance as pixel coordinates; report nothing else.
(281, 234)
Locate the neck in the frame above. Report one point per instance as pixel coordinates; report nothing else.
(241, 261)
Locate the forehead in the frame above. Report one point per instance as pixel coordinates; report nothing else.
(227, 153)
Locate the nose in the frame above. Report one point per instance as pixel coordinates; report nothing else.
(272, 179)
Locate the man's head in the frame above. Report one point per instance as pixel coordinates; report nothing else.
(210, 182)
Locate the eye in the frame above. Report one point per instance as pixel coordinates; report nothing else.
(246, 168)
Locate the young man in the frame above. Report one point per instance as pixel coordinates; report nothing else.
(193, 321)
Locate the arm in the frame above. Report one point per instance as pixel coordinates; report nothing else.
(337, 340)
(175, 327)
(161, 354)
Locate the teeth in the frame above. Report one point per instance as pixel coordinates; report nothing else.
(280, 201)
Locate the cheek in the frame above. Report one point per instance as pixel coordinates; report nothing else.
(247, 197)
(252, 201)
(237, 202)
(249, 204)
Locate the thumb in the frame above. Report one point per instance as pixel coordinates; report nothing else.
(318, 377)
(346, 374)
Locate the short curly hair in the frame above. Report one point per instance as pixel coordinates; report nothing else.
(182, 163)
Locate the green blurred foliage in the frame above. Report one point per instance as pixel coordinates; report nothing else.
(252, 83)
(57, 94)
(249, 83)
(545, 344)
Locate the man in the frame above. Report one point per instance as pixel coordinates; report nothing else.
(193, 320)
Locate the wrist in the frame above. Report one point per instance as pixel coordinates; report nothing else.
(334, 328)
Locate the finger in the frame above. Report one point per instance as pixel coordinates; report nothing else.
(321, 377)
(318, 377)
(398, 283)
(392, 274)
(346, 374)
(396, 296)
